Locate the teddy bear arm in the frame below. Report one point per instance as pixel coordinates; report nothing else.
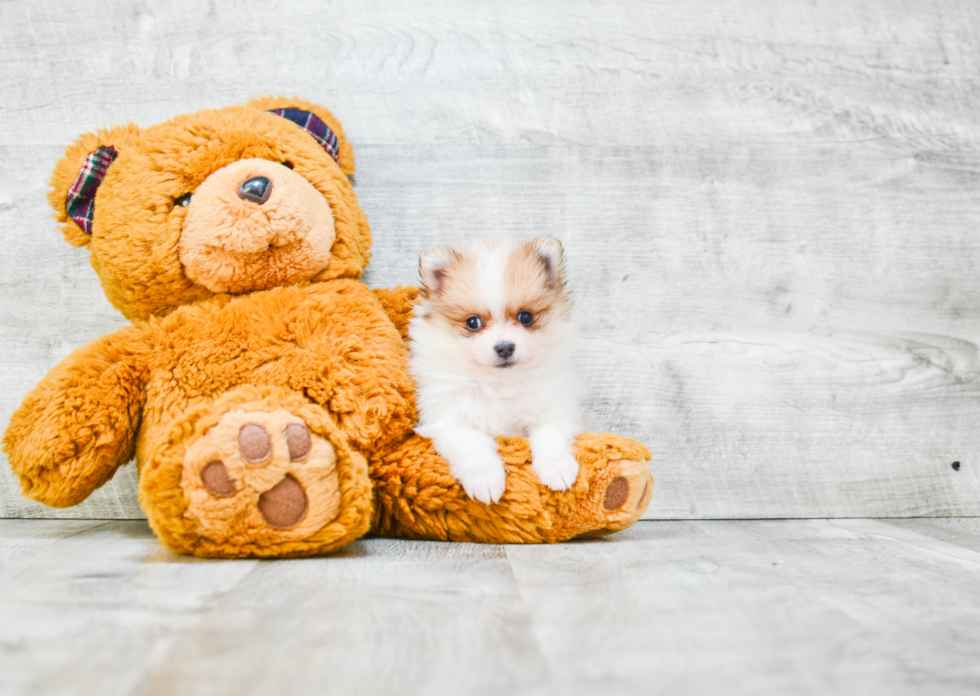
(79, 423)
(398, 303)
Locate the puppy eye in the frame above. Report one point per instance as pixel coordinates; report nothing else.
(474, 323)
(183, 201)
(525, 317)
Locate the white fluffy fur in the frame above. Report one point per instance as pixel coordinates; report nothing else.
(465, 399)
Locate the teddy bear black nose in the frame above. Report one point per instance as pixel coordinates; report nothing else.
(257, 189)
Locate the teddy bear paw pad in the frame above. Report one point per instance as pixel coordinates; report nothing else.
(620, 497)
(258, 473)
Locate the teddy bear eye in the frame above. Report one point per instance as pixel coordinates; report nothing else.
(287, 164)
(525, 317)
(474, 323)
(183, 201)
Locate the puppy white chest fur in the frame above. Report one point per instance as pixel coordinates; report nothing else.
(509, 405)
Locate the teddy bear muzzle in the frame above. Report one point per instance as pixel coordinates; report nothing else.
(253, 225)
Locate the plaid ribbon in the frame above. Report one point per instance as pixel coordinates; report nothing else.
(314, 125)
(80, 201)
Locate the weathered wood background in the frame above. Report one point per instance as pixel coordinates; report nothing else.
(770, 209)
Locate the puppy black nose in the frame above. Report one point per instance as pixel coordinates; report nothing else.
(257, 189)
(504, 350)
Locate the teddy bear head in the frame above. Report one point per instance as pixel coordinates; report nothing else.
(229, 200)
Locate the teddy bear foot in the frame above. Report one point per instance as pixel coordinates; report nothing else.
(616, 502)
(259, 473)
(612, 491)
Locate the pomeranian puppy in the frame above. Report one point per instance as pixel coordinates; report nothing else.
(491, 352)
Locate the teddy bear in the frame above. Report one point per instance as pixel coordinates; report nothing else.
(262, 388)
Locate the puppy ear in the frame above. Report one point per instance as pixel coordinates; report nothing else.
(433, 266)
(79, 174)
(333, 139)
(549, 253)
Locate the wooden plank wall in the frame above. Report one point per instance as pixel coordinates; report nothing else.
(770, 209)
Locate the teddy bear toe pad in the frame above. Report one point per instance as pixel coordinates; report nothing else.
(616, 494)
(261, 474)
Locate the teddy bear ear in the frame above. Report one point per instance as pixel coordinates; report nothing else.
(77, 177)
(317, 121)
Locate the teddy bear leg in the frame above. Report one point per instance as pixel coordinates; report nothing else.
(418, 498)
(257, 472)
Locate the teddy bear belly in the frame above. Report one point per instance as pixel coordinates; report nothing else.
(330, 342)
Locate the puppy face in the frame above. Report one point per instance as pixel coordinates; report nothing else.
(496, 304)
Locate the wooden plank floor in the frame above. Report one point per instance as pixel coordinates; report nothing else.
(849, 606)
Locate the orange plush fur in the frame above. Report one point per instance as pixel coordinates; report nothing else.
(277, 421)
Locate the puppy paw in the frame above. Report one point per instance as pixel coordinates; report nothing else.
(556, 470)
(484, 482)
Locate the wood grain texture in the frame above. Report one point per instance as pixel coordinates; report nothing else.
(958, 531)
(769, 210)
(807, 607)
(690, 607)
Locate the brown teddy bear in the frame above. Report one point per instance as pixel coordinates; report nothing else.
(262, 388)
